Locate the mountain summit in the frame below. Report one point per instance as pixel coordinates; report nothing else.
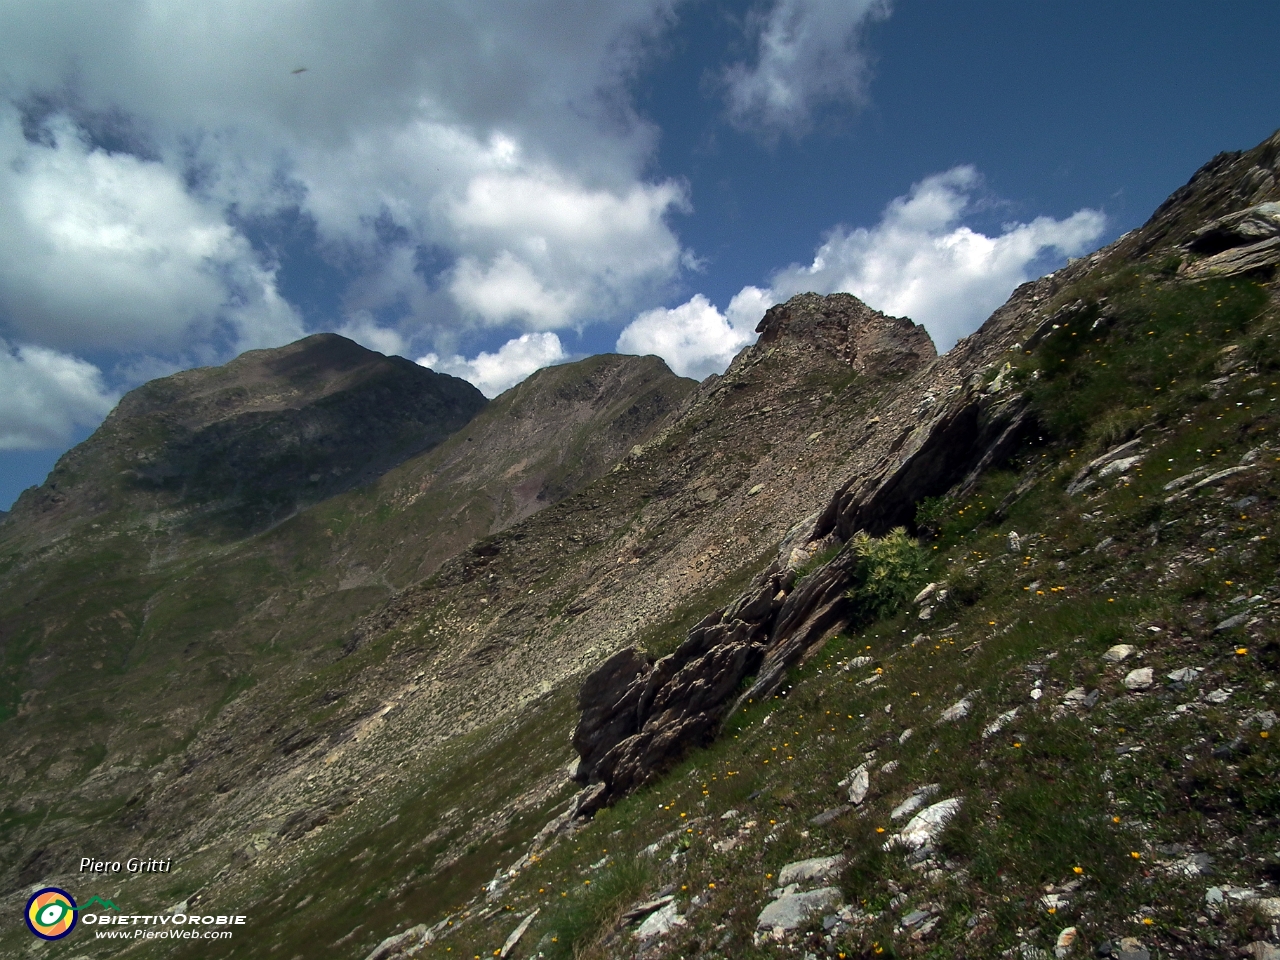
(245, 444)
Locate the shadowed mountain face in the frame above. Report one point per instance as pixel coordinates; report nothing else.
(537, 443)
(244, 445)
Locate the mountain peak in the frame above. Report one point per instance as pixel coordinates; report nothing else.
(251, 440)
(841, 324)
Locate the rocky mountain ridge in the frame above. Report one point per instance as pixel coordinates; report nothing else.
(252, 441)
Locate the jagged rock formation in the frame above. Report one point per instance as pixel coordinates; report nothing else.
(637, 717)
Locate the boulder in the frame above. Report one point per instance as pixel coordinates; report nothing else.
(791, 910)
(660, 922)
(1243, 228)
(925, 826)
(399, 944)
(815, 868)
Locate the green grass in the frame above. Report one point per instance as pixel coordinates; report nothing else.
(1047, 800)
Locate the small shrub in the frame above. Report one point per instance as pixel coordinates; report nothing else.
(584, 919)
(930, 513)
(969, 587)
(1116, 428)
(886, 573)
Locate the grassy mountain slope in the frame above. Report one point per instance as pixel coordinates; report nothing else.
(128, 631)
(337, 736)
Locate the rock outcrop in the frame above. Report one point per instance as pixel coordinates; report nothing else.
(638, 716)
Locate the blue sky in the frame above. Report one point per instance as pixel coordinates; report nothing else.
(486, 188)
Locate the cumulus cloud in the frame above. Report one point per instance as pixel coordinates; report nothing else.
(106, 250)
(46, 396)
(141, 147)
(808, 52)
(919, 261)
(492, 373)
(922, 262)
(695, 338)
(364, 330)
(499, 132)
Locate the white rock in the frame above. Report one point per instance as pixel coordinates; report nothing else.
(926, 825)
(815, 868)
(957, 711)
(660, 922)
(893, 765)
(1015, 542)
(1117, 653)
(1037, 693)
(859, 784)
(925, 594)
(1261, 950)
(791, 910)
(1218, 696)
(400, 942)
(1119, 466)
(914, 802)
(517, 933)
(1140, 679)
(1064, 943)
(728, 814)
(905, 735)
(1183, 674)
(999, 723)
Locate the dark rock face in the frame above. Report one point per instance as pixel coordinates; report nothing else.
(958, 448)
(841, 324)
(249, 442)
(637, 717)
(1248, 226)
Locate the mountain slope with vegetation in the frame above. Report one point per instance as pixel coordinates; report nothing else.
(1038, 720)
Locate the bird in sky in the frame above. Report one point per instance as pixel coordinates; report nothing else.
(298, 71)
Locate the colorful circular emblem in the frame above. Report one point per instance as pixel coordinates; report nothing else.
(51, 913)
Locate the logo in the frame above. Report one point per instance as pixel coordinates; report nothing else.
(51, 913)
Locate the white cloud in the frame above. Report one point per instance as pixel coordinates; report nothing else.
(501, 133)
(550, 252)
(364, 330)
(695, 339)
(492, 373)
(105, 250)
(808, 52)
(508, 289)
(920, 261)
(47, 395)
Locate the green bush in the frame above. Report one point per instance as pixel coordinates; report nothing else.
(886, 573)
